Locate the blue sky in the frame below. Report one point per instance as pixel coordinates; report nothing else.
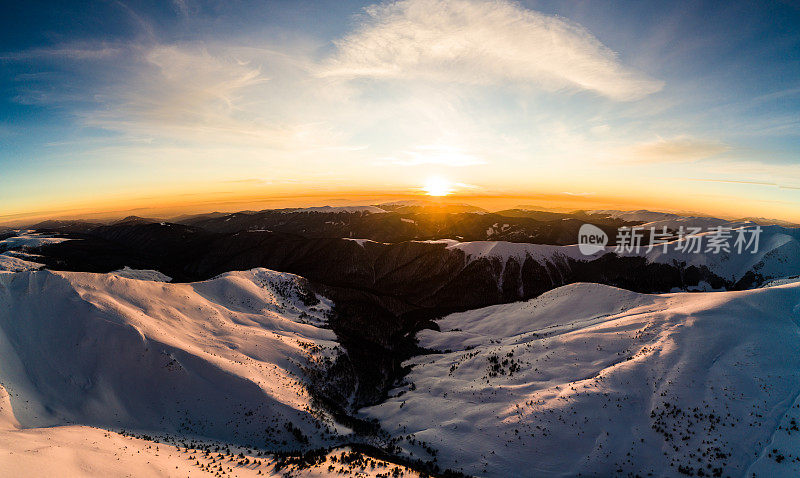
(668, 105)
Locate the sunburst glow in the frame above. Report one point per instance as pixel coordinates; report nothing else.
(437, 186)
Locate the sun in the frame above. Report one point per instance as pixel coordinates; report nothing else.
(437, 186)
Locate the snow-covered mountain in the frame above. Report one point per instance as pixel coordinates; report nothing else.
(585, 378)
(220, 359)
(13, 250)
(777, 255)
(429, 206)
(27, 240)
(593, 380)
(142, 274)
(270, 239)
(14, 262)
(675, 220)
(641, 215)
(334, 209)
(122, 374)
(671, 220)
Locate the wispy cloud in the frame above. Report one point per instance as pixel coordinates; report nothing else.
(676, 150)
(182, 91)
(142, 23)
(64, 52)
(752, 183)
(483, 42)
(783, 176)
(183, 98)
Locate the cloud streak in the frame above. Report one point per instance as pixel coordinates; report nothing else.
(676, 150)
(481, 42)
(184, 91)
(67, 52)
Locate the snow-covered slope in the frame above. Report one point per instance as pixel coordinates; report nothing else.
(335, 209)
(27, 239)
(82, 451)
(220, 358)
(777, 255)
(641, 215)
(601, 381)
(142, 274)
(10, 262)
(518, 250)
(204, 378)
(13, 255)
(705, 223)
(671, 220)
(676, 220)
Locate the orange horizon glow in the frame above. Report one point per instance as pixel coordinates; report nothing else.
(167, 206)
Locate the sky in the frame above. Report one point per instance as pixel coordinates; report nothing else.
(189, 105)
